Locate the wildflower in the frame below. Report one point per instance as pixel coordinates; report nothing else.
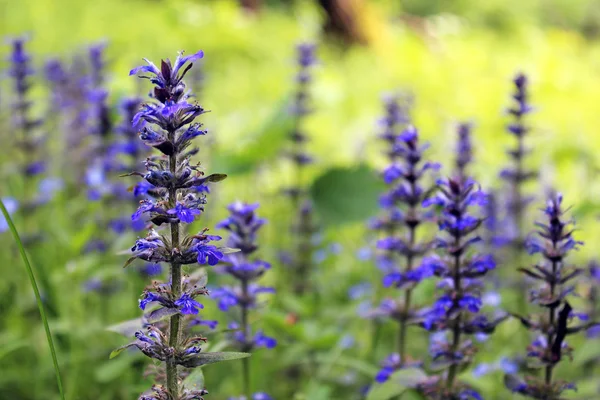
(554, 240)
(171, 198)
(243, 225)
(402, 215)
(517, 174)
(303, 228)
(457, 311)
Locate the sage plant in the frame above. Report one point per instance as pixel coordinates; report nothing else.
(464, 150)
(456, 313)
(554, 241)
(29, 139)
(389, 223)
(405, 176)
(243, 225)
(168, 124)
(517, 174)
(304, 227)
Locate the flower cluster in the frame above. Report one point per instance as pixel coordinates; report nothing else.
(174, 194)
(457, 309)
(399, 224)
(554, 241)
(72, 94)
(21, 71)
(29, 139)
(243, 225)
(464, 149)
(517, 174)
(304, 226)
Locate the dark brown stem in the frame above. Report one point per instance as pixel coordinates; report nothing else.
(456, 327)
(551, 328)
(246, 339)
(174, 322)
(408, 292)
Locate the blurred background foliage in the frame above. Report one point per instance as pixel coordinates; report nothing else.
(455, 57)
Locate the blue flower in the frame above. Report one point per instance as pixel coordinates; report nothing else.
(207, 254)
(149, 297)
(188, 305)
(470, 303)
(211, 324)
(261, 396)
(184, 214)
(261, 340)
(469, 394)
(226, 298)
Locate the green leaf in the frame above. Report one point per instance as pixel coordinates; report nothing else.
(409, 377)
(199, 277)
(386, 391)
(160, 314)
(118, 351)
(587, 353)
(211, 358)
(127, 328)
(215, 177)
(345, 195)
(129, 261)
(228, 250)
(195, 380)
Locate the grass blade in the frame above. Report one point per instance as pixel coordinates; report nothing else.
(37, 296)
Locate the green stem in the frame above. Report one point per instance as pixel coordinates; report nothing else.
(174, 322)
(38, 298)
(456, 328)
(245, 361)
(406, 306)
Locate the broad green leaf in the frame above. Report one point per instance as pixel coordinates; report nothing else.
(409, 377)
(587, 353)
(195, 380)
(385, 391)
(211, 358)
(346, 195)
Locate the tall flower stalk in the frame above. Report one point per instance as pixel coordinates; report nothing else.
(405, 177)
(29, 139)
(554, 241)
(176, 197)
(243, 225)
(303, 227)
(518, 174)
(457, 311)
